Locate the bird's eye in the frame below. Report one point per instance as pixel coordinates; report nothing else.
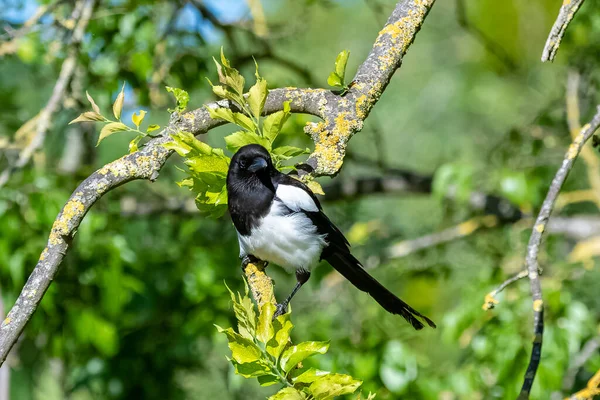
(242, 164)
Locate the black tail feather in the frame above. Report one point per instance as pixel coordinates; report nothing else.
(347, 265)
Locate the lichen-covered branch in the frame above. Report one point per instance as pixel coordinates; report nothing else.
(533, 249)
(565, 15)
(342, 116)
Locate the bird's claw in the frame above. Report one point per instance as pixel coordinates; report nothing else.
(250, 259)
(281, 309)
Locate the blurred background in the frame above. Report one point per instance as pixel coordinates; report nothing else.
(437, 196)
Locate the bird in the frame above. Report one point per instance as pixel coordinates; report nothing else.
(279, 220)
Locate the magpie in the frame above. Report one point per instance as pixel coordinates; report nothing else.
(279, 219)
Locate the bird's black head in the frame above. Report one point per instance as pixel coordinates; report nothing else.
(250, 163)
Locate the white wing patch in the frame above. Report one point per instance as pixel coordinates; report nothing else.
(295, 198)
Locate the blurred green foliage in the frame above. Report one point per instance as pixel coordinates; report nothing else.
(131, 313)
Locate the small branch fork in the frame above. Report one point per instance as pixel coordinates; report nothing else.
(533, 249)
(342, 117)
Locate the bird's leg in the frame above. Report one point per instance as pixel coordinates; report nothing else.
(250, 259)
(302, 276)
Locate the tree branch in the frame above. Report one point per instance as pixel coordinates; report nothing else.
(565, 15)
(533, 249)
(43, 119)
(342, 115)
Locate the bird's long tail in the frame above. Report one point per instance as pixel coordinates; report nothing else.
(347, 265)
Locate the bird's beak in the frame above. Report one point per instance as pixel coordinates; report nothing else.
(258, 164)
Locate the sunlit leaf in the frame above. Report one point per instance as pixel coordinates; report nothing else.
(330, 386)
(282, 327)
(264, 330)
(316, 187)
(133, 145)
(295, 354)
(268, 380)
(257, 95)
(88, 116)
(288, 394)
(181, 96)
(243, 138)
(118, 104)
(152, 128)
(252, 369)
(309, 376)
(138, 118)
(340, 64)
(287, 152)
(93, 103)
(334, 80)
(273, 123)
(109, 129)
(242, 350)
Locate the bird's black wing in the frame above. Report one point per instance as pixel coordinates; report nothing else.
(337, 253)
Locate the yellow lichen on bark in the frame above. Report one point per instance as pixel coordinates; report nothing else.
(73, 209)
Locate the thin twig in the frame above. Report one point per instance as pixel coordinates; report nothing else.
(461, 230)
(533, 249)
(588, 155)
(565, 15)
(589, 349)
(66, 73)
(490, 298)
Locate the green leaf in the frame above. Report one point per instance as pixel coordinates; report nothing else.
(340, 64)
(133, 145)
(264, 331)
(287, 152)
(316, 187)
(332, 385)
(514, 186)
(273, 123)
(181, 96)
(118, 104)
(137, 119)
(268, 380)
(309, 376)
(88, 116)
(152, 128)
(243, 350)
(242, 138)
(229, 116)
(288, 394)
(257, 95)
(334, 80)
(252, 369)
(111, 128)
(282, 326)
(295, 354)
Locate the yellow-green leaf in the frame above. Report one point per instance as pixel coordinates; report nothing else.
(309, 376)
(257, 95)
(109, 129)
(88, 116)
(340, 64)
(264, 330)
(133, 145)
(273, 123)
(118, 104)
(282, 327)
(181, 96)
(152, 128)
(295, 354)
(242, 138)
(287, 152)
(242, 350)
(334, 80)
(252, 369)
(93, 103)
(316, 187)
(268, 380)
(288, 394)
(333, 385)
(138, 118)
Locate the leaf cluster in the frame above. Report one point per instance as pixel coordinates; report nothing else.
(113, 126)
(261, 348)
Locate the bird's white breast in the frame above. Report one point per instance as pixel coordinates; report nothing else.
(287, 239)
